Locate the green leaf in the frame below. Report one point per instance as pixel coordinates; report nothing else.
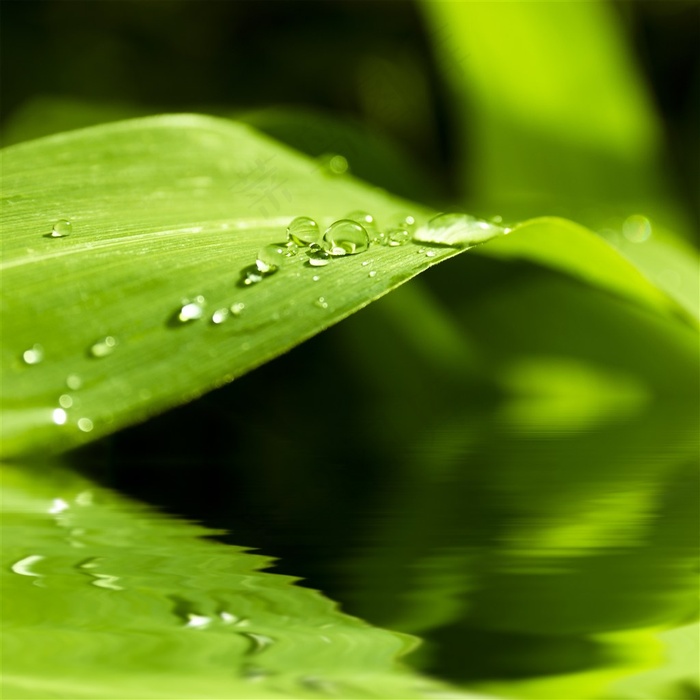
(162, 210)
(574, 250)
(165, 210)
(112, 600)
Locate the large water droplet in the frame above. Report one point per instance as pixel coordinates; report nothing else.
(457, 230)
(346, 237)
(61, 229)
(34, 355)
(303, 231)
(237, 308)
(191, 310)
(103, 347)
(372, 273)
(270, 257)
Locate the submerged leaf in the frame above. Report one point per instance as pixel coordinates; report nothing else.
(113, 600)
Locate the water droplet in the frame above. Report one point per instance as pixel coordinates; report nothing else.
(372, 273)
(74, 382)
(365, 263)
(303, 231)
(58, 506)
(636, 228)
(379, 238)
(345, 237)
(315, 278)
(430, 253)
(319, 258)
(103, 347)
(191, 310)
(227, 618)
(219, 316)
(397, 237)
(59, 416)
(321, 303)
(259, 642)
(85, 424)
(65, 400)
(237, 308)
(61, 229)
(23, 566)
(34, 355)
(334, 163)
(270, 258)
(251, 276)
(197, 621)
(457, 230)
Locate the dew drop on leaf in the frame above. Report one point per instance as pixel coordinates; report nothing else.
(319, 258)
(65, 400)
(252, 277)
(103, 347)
(372, 273)
(191, 310)
(33, 355)
(457, 230)
(219, 316)
(303, 231)
(321, 303)
(270, 257)
(345, 237)
(237, 308)
(397, 237)
(61, 229)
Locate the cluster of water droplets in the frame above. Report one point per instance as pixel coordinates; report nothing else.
(305, 240)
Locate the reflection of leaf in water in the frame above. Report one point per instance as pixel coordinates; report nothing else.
(105, 598)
